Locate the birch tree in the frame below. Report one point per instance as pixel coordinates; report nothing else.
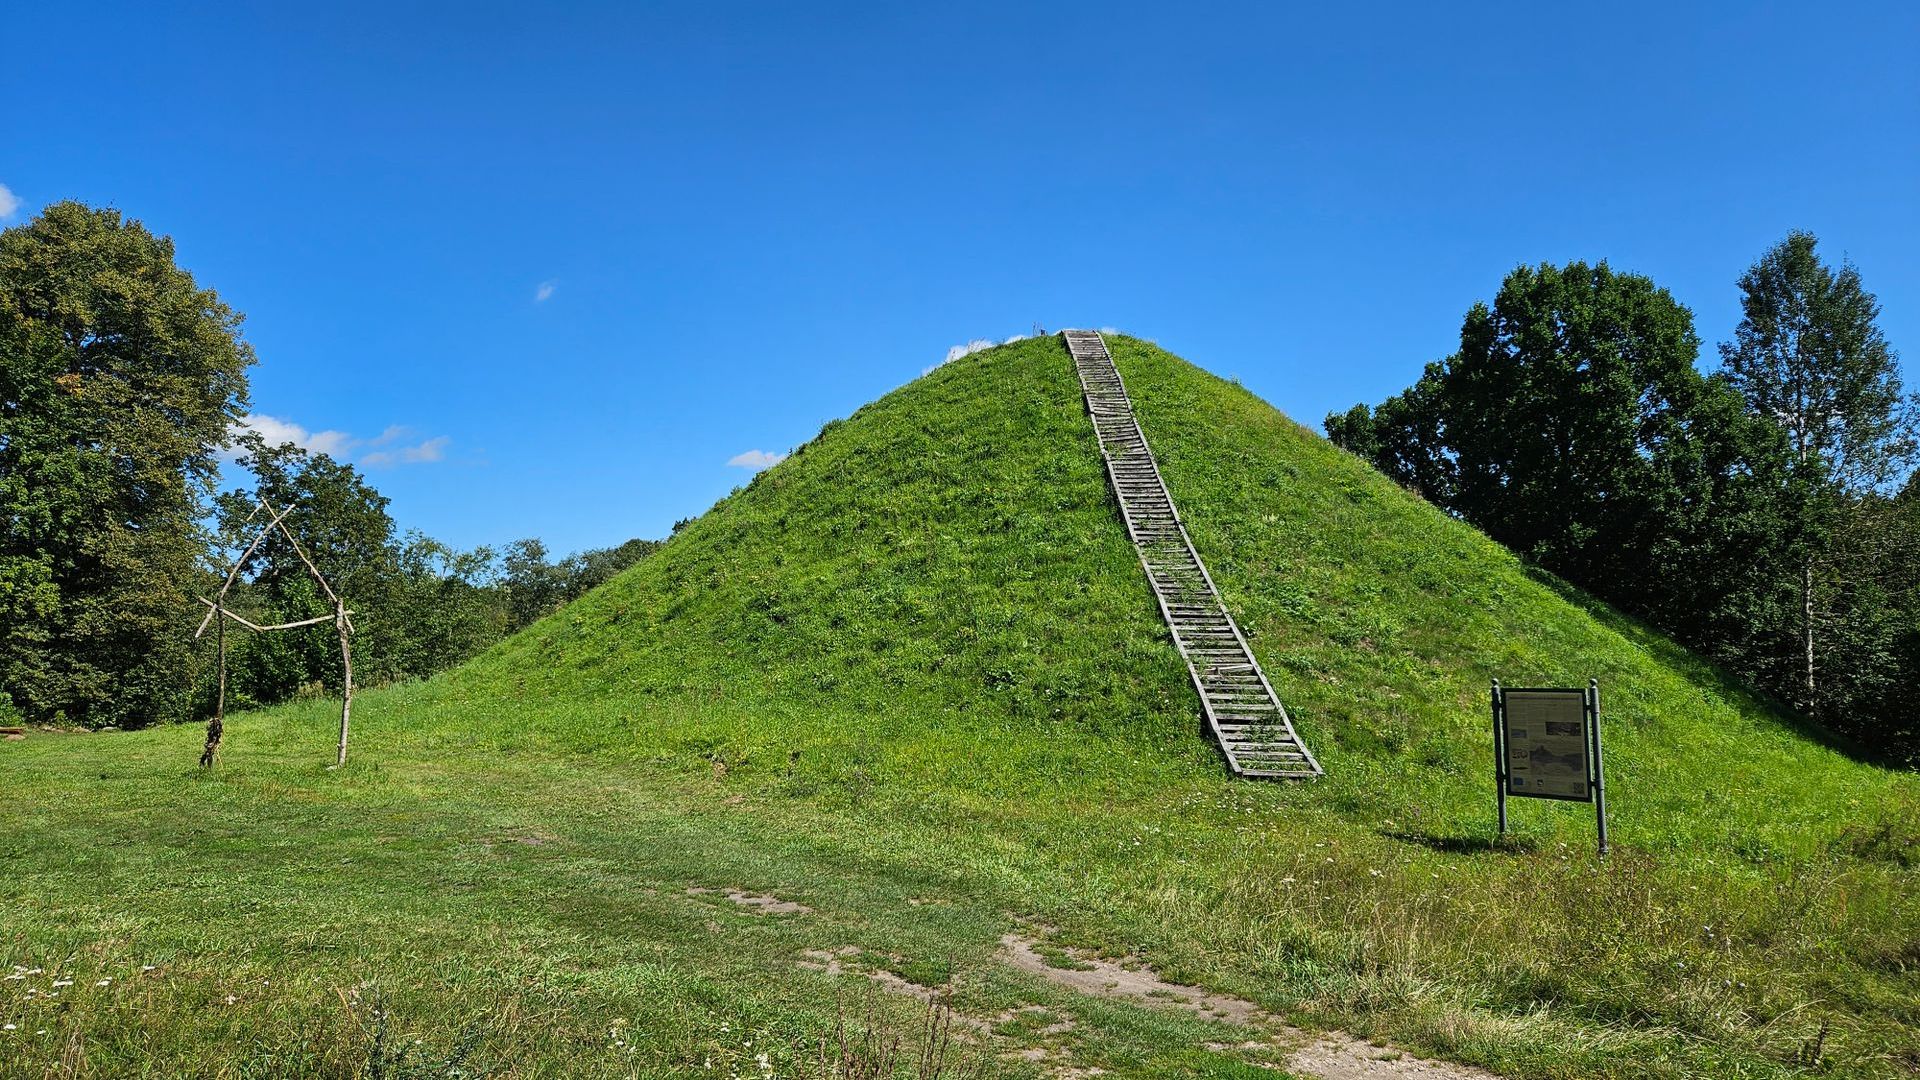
(1809, 355)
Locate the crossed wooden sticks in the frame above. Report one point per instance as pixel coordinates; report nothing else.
(217, 616)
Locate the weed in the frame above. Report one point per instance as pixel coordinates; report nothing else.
(874, 1052)
(400, 1057)
(1892, 835)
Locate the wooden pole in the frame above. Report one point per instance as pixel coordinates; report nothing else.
(217, 726)
(345, 628)
(315, 621)
(242, 561)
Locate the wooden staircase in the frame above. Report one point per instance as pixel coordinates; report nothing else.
(1244, 714)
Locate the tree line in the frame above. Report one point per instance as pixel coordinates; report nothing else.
(1765, 513)
(122, 382)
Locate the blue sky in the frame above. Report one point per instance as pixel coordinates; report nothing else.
(547, 270)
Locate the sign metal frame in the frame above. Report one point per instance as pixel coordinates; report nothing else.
(1596, 786)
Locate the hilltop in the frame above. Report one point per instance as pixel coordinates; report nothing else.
(912, 680)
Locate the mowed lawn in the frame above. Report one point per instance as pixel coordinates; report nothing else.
(536, 907)
(912, 681)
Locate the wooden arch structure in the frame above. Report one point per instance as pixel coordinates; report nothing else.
(218, 614)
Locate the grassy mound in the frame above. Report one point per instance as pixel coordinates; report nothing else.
(913, 679)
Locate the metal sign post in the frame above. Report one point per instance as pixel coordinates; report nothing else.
(1499, 758)
(1599, 775)
(1546, 745)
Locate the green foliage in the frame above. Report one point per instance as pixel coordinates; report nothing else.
(119, 379)
(1572, 426)
(266, 668)
(537, 587)
(1809, 354)
(1867, 621)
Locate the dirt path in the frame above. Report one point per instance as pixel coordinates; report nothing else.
(1328, 1055)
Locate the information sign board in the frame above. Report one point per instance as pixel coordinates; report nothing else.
(1546, 741)
(1546, 745)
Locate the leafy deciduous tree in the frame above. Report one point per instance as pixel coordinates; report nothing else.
(1573, 426)
(119, 380)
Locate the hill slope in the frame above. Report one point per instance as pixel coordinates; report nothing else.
(913, 678)
(947, 564)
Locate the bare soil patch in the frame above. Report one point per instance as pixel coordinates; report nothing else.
(851, 960)
(1331, 1055)
(1103, 978)
(762, 903)
(768, 905)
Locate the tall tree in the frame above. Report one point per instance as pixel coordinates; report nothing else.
(1810, 356)
(119, 380)
(1563, 399)
(1573, 426)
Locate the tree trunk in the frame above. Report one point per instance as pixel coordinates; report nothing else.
(217, 726)
(346, 683)
(1806, 628)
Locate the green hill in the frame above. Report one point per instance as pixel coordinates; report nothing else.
(913, 678)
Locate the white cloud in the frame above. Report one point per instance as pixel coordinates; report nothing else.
(379, 451)
(971, 347)
(545, 292)
(277, 432)
(9, 202)
(756, 460)
(1108, 330)
(433, 449)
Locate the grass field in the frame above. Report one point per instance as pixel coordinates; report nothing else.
(912, 679)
